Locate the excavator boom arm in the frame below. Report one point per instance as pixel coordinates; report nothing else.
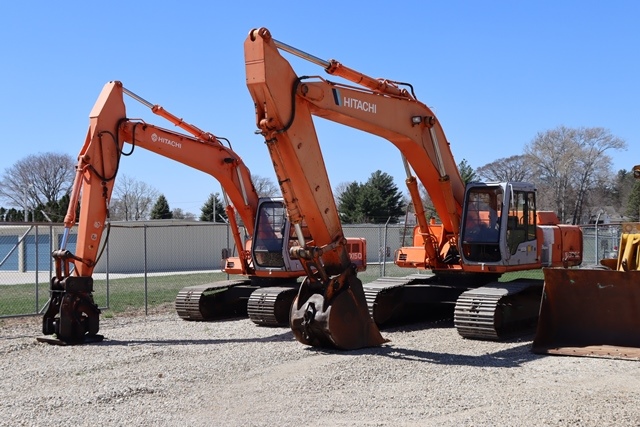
(408, 124)
(99, 159)
(396, 121)
(288, 129)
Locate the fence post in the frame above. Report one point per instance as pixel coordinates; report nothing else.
(37, 268)
(597, 243)
(22, 253)
(145, 271)
(106, 276)
(384, 248)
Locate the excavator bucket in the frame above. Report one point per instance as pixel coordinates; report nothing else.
(592, 311)
(333, 318)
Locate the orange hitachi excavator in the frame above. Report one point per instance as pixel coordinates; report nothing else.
(270, 282)
(486, 229)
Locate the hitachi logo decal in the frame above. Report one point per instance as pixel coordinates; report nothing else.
(354, 103)
(156, 138)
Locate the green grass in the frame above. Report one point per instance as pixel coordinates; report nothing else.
(527, 274)
(124, 294)
(20, 299)
(128, 294)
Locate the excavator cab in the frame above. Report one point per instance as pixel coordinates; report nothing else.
(499, 224)
(273, 238)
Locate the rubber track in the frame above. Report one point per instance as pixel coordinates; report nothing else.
(188, 299)
(475, 310)
(378, 287)
(270, 306)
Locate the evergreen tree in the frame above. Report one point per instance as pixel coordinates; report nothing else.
(633, 206)
(349, 204)
(375, 201)
(53, 211)
(161, 209)
(14, 215)
(63, 206)
(466, 172)
(208, 207)
(381, 199)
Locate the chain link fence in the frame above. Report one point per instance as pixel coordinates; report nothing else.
(146, 263)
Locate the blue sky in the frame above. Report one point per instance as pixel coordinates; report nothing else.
(495, 72)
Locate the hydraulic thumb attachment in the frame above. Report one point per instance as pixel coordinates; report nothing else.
(72, 316)
(334, 315)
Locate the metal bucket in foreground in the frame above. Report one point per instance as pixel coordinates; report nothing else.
(340, 319)
(589, 312)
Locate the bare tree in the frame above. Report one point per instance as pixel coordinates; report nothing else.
(265, 187)
(181, 214)
(132, 200)
(569, 163)
(552, 156)
(427, 204)
(593, 166)
(38, 179)
(339, 189)
(514, 168)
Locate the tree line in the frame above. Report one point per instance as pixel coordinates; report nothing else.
(570, 167)
(39, 187)
(572, 171)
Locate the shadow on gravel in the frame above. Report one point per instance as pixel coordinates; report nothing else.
(511, 357)
(287, 336)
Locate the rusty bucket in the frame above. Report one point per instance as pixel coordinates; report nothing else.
(589, 312)
(330, 318)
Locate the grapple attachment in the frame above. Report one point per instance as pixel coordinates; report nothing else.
(592, 311)
(71, 315)
(334, 316)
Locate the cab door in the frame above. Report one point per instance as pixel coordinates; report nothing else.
(520, 243)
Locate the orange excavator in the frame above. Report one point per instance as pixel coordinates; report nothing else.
(486, 229)
(594, 311)
(270, 283)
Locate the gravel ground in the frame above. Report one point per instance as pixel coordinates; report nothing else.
(161, 370)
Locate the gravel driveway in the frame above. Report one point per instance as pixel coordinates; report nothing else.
(160, 370)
